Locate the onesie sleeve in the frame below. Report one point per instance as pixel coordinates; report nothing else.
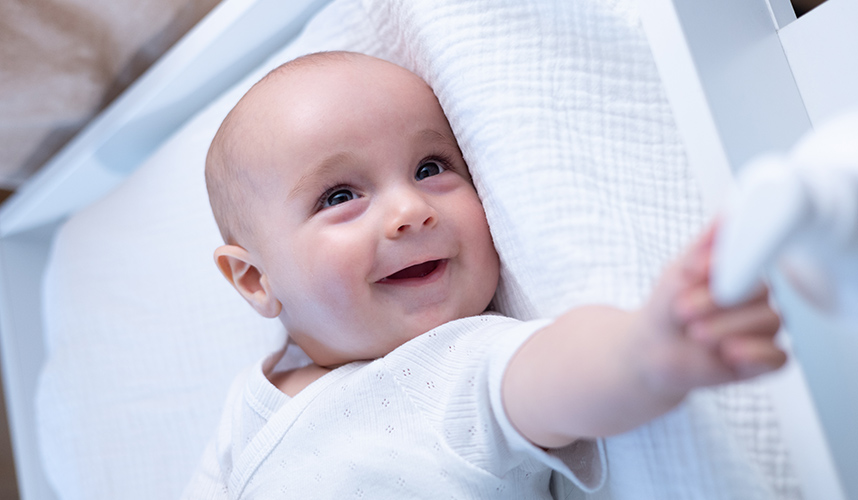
(582, 462)
(453, 377)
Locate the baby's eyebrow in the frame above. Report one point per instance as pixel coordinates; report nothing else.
(322, 170)
(432, 135)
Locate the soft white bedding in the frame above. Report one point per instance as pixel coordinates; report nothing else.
(561, 116)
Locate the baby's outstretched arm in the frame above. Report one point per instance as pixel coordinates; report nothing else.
(598, 371)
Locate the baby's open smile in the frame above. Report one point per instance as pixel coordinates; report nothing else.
(417, 274)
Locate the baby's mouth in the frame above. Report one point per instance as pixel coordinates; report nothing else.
(414, 272)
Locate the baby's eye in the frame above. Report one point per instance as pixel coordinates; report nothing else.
(337, 196)
(428, 169)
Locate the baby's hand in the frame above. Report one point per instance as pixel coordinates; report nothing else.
(702, 343)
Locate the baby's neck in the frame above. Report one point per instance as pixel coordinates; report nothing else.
(291, 382)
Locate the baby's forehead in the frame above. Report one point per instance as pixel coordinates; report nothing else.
(319, 67)
(300, 89)
(280, 91)
(325, 72)
(280, 106)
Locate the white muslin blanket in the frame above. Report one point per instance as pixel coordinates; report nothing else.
(561, 116)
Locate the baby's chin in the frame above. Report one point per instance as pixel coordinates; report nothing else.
(387, 335)
(472, 310)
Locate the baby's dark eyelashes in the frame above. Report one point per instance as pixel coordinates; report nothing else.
(443, 160)
(336, 195)
(341, 193)
(428, 168)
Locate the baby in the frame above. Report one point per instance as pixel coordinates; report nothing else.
(348, 213)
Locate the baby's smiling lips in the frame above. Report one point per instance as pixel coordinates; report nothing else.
(415, 272)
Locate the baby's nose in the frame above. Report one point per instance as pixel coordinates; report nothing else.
(410, 212)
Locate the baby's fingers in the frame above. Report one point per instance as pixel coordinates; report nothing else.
(697, 303)
(753, 320)
(749, 357)
(696, 262)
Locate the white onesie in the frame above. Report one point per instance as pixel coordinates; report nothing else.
(425, 421)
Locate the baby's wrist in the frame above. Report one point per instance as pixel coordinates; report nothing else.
(655, 358)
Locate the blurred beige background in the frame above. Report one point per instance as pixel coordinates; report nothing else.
(62, 61)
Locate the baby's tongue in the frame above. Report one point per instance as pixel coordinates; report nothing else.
(417, 271)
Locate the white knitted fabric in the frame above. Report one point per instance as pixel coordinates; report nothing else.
(424, 421)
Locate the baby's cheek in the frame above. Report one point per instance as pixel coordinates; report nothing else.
(340, 266)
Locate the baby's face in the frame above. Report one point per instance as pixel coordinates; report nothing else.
(367, 225)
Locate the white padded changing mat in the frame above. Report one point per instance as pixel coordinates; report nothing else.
(561, 116)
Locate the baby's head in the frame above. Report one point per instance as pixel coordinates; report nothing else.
(347, 208)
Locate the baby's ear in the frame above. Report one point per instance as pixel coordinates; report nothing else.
(235, 264)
